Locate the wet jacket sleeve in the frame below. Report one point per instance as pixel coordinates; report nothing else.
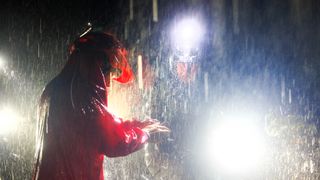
(119, 138)
(42, 118)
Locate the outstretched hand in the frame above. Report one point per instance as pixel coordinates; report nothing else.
(151, 126)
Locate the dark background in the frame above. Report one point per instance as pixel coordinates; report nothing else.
(266, 49)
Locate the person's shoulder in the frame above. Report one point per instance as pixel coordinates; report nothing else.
(49, 88)
(46, 93)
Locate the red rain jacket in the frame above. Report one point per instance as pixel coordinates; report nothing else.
(76, 129)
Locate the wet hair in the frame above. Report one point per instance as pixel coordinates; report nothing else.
(94, 41)
(94, 44)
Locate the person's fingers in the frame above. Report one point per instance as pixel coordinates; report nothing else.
(158, 131)
(156, 128)
(150, 129)
(141, 124)
(162, 129)
(149, 122)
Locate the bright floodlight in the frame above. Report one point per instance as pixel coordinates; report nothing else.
(8, 120)
(236, 146)
(1, 62)
(187, 34)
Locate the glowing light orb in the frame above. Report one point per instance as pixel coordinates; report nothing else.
(8, 120)
(236, 147)
(1, 62)
(187, 34)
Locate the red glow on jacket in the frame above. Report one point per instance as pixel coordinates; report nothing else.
(76, 129)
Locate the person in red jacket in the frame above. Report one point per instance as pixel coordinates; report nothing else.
(75, 127)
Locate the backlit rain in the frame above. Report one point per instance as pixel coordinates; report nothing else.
(237, 82)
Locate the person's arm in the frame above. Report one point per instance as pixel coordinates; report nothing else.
(41, 129)
(119, 138)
